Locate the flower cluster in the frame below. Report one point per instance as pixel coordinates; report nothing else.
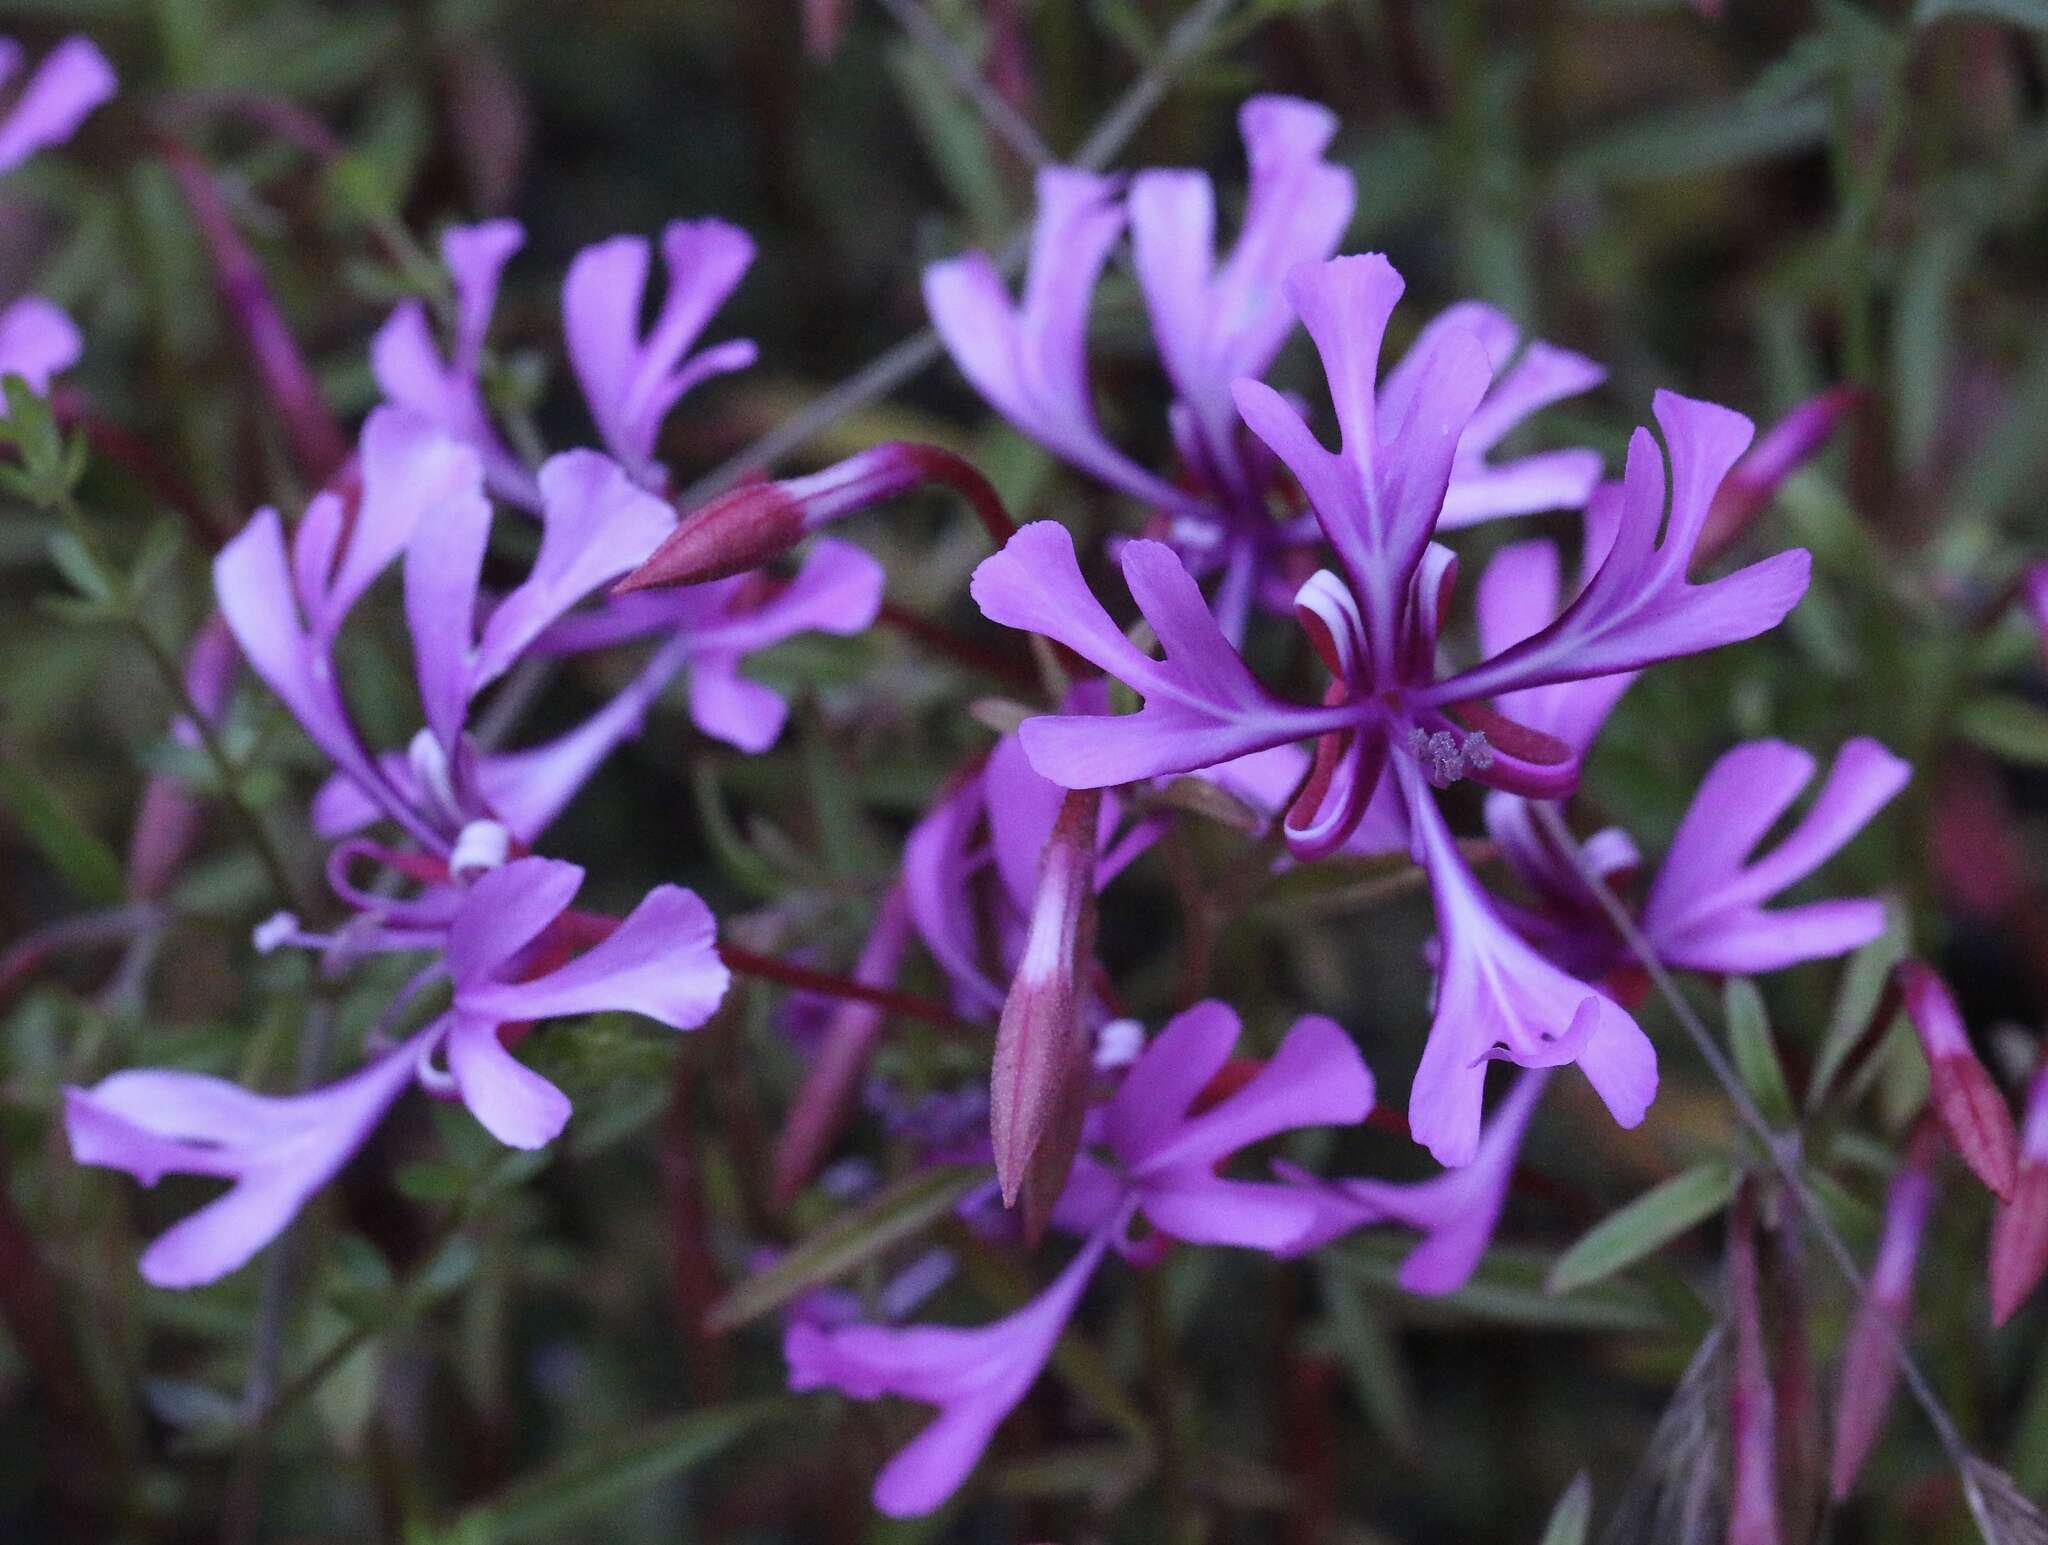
(1258, 542)
(433, 841)
(1541, 981)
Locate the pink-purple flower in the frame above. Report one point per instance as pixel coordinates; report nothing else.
(1215, 323)
(493, 949)
(1153, 1152)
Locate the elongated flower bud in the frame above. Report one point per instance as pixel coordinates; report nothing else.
(1870, 1364)
(1789, 445)
(1971, 1108)
(1752, 1409)
(760, 521)
(1036, 1087)
(2019, 1235)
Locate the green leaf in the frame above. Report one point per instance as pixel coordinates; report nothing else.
(2021, 13)
(87, 864)
(896, 1213)
(1921, 325)
(1863, 985)
(1373, 1360)
(1573, 1515)
(1755, 1051)
(1507, 1289)
(2008, 727)
(81, 570)
(1695, 140)
(1655, 1218)
(740, 863)
(611, 1472)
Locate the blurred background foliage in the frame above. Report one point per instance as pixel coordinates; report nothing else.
(1747, 206)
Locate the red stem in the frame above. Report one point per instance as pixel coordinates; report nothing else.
(318, 445)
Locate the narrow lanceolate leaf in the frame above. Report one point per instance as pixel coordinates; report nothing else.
(1970, 1106)
(611, 1473)
(1755, 1051)
(1033, 1087)
(1866, 988)
(1573, 1515)
(893, 1215)
(87, 864)
(1656, 1217)
(2007, 727)
(2019, 1234)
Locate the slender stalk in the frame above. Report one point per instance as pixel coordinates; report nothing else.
(267, 851)
(1164, 1384)
(1008, 124)
(1782, 1149)
(899, 363)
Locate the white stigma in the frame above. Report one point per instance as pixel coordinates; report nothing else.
(275, 931)
(1117, 1044)
(480, 847)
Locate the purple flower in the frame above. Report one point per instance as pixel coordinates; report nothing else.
(1378, 500)
(1030, 358)
(1455, 1212)
(276, 1150)
(660, 962)
(421, 494)
(1870, 1365)
(1705, 908)
(975, 1378)
(1165, 1142)
(447, 390)
(631, 380)
(1161, 1155)
(970, 866)
(718, 625)
(1215, 324)
(73, 79)
(37, 340)
(1497, 998)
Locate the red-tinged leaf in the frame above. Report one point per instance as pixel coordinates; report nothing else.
(1870, 1372)
(1032, 1083)
(1974, 1115)
(1971, 1109)
(2019, 1242)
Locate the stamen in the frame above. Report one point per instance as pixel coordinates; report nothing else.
(1445, 758)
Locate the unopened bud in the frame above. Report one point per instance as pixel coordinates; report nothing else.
(1789, 445)
(1036, 1087)
(760, 521)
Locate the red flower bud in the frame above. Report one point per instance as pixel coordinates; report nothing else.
(1038, 1083)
